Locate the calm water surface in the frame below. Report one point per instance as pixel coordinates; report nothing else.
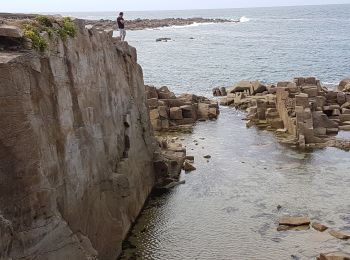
(228, 207)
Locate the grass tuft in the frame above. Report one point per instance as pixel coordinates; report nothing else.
(33, 30)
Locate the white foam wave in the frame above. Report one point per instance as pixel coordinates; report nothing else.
(244, 19)
(188, 25)
(330, 83)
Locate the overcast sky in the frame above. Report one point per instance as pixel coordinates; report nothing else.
(139, 5)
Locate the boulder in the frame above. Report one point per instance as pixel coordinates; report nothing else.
(10, 31)
(321, 120)
(165, 124)
(275, 123)
(223, 91)
(188, 167)
(152, 103)
(216, 92)
(163, 112)
(227, 101)
(320, 101)
(188, 111)
(166, 95)
(164, 39)
(175, 102)
(213, 113)
(310, 80)
(240, 87)
(190, 158)
(154, 114)
(334, 256)
(191, 98)
(294, 221)
(319, 227)
(302, 100)
(344, 117)
(346, 105)
(345, 111)
(151, 92)
(311, 91)
(203, 110)
(344, 127)
(335, 112)
(184, 121)
(174, 184)
(342, 84)
(156, 124)
(259, 89)
(176, 113)
(347, 88)
(271, 89)
(339, 234)
(331, 96)
(287, 85)
(341, 98)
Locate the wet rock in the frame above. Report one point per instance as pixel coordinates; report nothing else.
(293, 228)
(319, 227)
(176, 113)
(207, 156)
(223, 91)
(339, 234)
(347, 88)
(344, 117)
(344, 127)
(188, 167)
(216, 92)
(294, 221)
(334, 256)
(174, 184)
(342, 84)
(283, 228)
(190, 158)
(154, 114)
(227, 101)
(164, 39)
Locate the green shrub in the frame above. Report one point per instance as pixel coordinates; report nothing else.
(44, 21)
(67, 29)
(50, 31)
(39, 42)
(33, 30)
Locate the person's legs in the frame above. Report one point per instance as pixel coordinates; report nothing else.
(121, 31)
(124, 34)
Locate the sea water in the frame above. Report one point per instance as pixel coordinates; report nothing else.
(228, 208)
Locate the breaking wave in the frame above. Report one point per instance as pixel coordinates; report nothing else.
(244, 19)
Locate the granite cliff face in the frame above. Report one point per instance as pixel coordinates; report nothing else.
(76, 148)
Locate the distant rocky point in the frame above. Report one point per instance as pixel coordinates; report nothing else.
(141, 24)
(137, 24)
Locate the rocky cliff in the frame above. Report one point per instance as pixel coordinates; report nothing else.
(76, 149)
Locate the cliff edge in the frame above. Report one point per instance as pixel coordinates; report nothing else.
(76, 146)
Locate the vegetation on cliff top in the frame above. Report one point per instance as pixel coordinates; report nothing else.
(35, 30)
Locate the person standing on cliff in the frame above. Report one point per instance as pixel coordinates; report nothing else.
(121, 26)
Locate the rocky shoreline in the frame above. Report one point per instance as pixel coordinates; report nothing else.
(83, 143)
(300, 112)
(133, 25)
(141, 24)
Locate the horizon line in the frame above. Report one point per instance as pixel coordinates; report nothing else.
(164, 10)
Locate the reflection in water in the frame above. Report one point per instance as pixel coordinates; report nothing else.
(228, 207)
